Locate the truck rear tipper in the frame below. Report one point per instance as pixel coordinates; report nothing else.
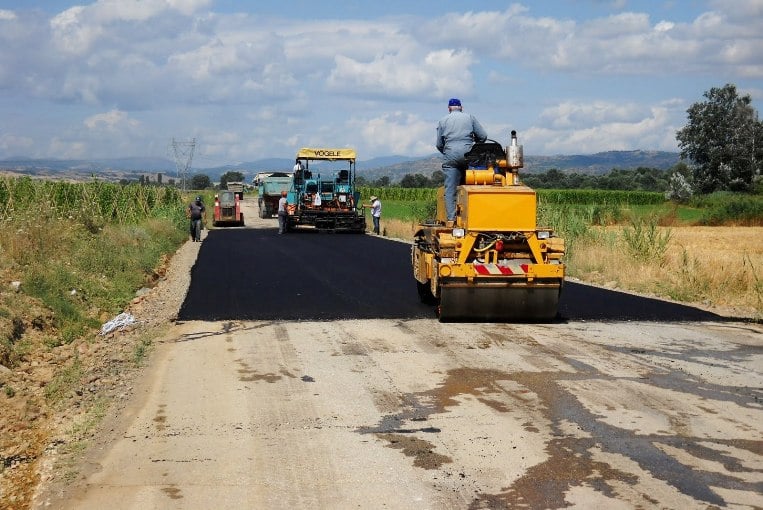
(494, 263)
(237, 187)
(323, 193)
(269, 187)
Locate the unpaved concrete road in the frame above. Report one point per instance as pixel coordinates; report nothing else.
(411, 413)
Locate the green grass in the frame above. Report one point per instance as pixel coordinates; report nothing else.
(603, 207)
(96, 272)
(666, 213)
(722, 208)
(81, 251)
(405, 210)
(141, 349)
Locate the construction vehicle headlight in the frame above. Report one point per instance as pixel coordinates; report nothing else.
(459, 232)
(343, 198)
(544, 234)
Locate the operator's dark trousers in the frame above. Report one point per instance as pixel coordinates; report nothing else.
(454, 175)
(196, 236)
(376, 224)
(282, 219)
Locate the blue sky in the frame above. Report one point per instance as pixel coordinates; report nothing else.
(260, 79)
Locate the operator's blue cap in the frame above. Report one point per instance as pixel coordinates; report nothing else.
(454, 102)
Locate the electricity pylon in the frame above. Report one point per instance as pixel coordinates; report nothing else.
(183, 152)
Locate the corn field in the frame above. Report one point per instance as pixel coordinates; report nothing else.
(106, 202)
(599, 197)
(397, 193)
(545, 196)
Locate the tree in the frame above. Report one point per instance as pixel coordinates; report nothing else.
(230, 177)
(200, 181)
(724, 141)
(414, 181)
(438, 178)
(679, 189)
(679, 183)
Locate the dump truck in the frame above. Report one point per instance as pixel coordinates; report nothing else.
(269, 187)
(237, 188)
(228, 209)
(323, 193)
(494, 263)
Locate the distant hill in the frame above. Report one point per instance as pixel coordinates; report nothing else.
(599, 163)
(136, 164)
(285, 165)
(603, 162)
(394, 167)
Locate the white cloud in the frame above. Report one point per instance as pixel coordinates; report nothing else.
(664, 26)
(111, 121)
(66, 149)
(12, 144)
(625, 43)
(77, 29)
(653, 129)
(438, 74)
(739, 10)
(573, 115)
(396, 133)
(69, 33)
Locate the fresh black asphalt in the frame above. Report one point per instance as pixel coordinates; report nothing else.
(257, 274)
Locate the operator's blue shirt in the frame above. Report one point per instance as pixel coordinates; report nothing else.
(456, 133)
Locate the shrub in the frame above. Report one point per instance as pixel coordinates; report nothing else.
(679, 189)
(644, 240)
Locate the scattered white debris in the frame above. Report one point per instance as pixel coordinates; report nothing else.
(120, 322)
(16, 285)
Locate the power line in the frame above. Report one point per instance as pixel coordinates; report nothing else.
(183, 153)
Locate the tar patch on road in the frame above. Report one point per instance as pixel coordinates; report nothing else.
(584, 302)
(572, 460)
(256, 274)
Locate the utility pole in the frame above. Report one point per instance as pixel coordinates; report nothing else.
(183, 152)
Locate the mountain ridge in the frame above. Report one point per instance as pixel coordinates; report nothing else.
(394, 167)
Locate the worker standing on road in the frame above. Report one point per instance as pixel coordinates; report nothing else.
(375, 206)
(456, 133)
(282, 213)
(196, 212)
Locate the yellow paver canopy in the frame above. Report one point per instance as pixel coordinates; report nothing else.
(327, 154)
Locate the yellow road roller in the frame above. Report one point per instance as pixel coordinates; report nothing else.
(493, 263)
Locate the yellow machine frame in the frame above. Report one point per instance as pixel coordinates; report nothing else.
(494, 259)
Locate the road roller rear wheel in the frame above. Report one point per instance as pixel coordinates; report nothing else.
(425, 293)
